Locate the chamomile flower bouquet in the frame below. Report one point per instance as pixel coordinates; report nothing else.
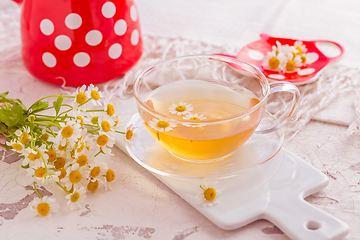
(65, 148)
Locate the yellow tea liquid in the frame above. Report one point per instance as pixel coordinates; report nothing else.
(202, 139)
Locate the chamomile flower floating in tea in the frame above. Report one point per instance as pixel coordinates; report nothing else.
(208, 196)
(194, 117)
(66, 149)
(45, 206)
(182, 108)
(162, 125)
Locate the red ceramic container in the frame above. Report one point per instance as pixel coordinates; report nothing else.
(76, 42)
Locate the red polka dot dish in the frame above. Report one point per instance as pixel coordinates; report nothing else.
(321, 52)
(78, 42)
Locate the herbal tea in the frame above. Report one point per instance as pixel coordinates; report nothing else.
(195, 106)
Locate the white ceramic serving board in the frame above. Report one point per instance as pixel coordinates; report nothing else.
(280, 200)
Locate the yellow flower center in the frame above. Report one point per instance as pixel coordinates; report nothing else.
(17, 146)
(210, 194)
(81, 120)
(95, 95)
(61, 148)
(93, 186)
(195, 118)
(59, 163)
(82, 160)
(67, 132)
(43, 209)
(274, 63)
(80, 98)
(95, 171)
(94, 119)
(105, 125)
(24, 138)
(110, 109)
(32, 156)
(290, 66)
(40, 172)
(52, 155)
(75, 197)
(110, 175)
(102, 140)
(180, 108)
(129, 134)
(75, 176)
(62, 173)
(299, 50)
(163, 124)
(45, 137)
(303, 59)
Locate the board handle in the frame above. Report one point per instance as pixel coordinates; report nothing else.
(299, 219)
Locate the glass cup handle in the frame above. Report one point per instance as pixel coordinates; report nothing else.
(275, 87)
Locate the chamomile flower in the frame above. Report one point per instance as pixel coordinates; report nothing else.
(273, 61)
(16, 145)
(194, 117)
(96, 176)
(23, 135)
(105, 124)
(109, 106)
(162, 125)
(182, 108)
(306, 59)
(85, 146)
(76, 198)
(76, 176)
(31, 157)
(292, 64)
(93, 92)
(300, 46)
(69, 133)
(130, 134)
(45, 206)
(208, 196)
(105, 140)
(80, 98)
(109, 177)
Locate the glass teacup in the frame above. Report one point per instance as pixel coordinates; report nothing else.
(203, 108)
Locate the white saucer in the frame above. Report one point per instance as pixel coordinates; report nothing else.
(257, 158)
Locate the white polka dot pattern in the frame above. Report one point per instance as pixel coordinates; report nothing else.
(81, 59)
(133, 13)
(46, 27)
(120, 27)
(135, 37)
(49, 60)
(255, 55)
(93, 38)
(73, 21)
(306, 71)
(115, 51)
(108, 9)
(62, 42)
(276, 76)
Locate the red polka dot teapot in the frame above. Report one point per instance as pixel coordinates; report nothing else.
(76, 42)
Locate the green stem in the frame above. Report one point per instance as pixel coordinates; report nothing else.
(36, 149)
(120, 132)
(63, 188)
(37, 190)
(96, 110)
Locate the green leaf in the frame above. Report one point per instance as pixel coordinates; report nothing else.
(11, 101)
(14, 116)
(39, 106)
(57, 104)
